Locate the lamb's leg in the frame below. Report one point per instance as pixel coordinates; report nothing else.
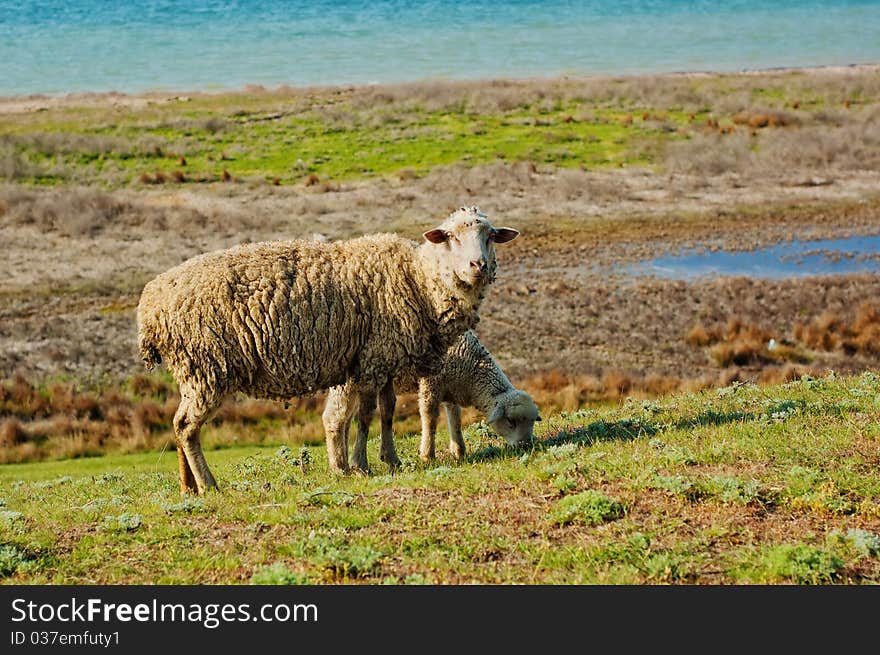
(453, 421)
(387, 402)
(192, 412)
(337, 415)
(429, 410)
(366, 410)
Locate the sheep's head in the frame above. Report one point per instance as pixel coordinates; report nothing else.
(463, 247)
(514, 416)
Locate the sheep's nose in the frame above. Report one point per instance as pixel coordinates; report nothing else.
(480, 265)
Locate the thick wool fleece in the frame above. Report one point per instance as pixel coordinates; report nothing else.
(287, 318)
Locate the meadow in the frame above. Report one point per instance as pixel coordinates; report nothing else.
(741, 484)
(676, 446)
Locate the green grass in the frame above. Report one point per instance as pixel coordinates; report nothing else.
(743, 485)
(295, 146)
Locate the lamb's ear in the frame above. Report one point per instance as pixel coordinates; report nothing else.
(496, 414)
(436, 235)
(504, 234)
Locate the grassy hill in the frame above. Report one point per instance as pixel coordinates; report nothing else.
(742, 484)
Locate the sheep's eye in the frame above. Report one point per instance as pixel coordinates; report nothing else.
(512, 423)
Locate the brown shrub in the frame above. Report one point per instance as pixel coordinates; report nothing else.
(867, 316)
(616, 383)
(698, 335)
(147, 385)
(225, 176)
(758, 120)
(548, 381)
(23, 399)
(660, 385)
(147, 417)
(178, 176)
(12, 433)
(312, 180)
(780, 374)
(820, 333)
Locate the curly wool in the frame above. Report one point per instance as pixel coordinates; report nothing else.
(287, 318)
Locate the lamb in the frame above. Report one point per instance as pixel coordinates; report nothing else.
(280, 319)
(469, 376)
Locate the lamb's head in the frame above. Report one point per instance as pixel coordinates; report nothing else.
(513, 416)
(463, 248)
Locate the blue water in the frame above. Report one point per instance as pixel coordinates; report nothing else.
(59, 46)
(789, 259)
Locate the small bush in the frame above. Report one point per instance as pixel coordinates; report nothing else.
(801, 563)
(590, 507)
(125, 522)
(278, 574)
(10, 559)
(863, 542)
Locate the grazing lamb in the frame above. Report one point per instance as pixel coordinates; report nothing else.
(469, 377)
(287, 318)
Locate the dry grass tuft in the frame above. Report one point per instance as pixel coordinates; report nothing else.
(828, 332)
(12, 433)
(742, 344)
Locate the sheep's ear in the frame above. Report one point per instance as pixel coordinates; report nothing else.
(496, 414)
(436, 236)
(504, 234)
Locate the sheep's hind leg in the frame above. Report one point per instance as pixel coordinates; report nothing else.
(191, 414)
(366, 410)
(387, 402)
(337, 415)
(453, 421)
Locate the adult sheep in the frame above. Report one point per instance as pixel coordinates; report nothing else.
(468, 377)
(288, 318)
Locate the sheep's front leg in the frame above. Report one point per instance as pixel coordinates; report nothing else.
(193, 411)
(429, 410)
(338, 410)
(453, 421)
(387, 402)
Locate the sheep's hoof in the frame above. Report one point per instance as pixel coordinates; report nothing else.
(457, 451)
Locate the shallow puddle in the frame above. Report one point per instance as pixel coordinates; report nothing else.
(788, 259)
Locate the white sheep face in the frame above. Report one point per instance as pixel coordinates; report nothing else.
(514, 418)
(465, 244)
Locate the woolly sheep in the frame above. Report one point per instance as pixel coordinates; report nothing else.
(280, 319)
(469, 377)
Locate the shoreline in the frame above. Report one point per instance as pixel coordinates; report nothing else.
(25, 103)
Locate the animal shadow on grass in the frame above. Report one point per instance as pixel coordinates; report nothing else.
(714, 417)
(626, 430)
(623, 430)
